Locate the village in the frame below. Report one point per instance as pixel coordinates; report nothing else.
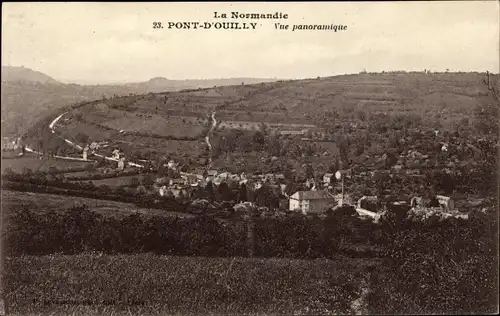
(315, 195)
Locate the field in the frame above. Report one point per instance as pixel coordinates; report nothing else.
(249, 125)
(444, 99)
(132, 143)
(173, 126)
(60, 203)
(137, 122)
(116, 181)
(35, 164)
(144, 284)
(179, 148)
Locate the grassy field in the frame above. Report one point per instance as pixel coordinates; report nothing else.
(249, 125)
(169, 147)
(115, 182)
(35, 164)
(144, 284)
(137, 121)
(441, 98)
(60, 203)
(130, 143)
(158, 125)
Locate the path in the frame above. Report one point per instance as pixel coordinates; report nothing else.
(52, 128)
(130, 163)
(207, 140)
(360, 305)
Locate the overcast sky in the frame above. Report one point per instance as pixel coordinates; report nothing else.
(115, 42)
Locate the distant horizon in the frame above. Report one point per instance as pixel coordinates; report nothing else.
(121, 45)
(90, 82)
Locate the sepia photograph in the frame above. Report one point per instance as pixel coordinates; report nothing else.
(250, 158)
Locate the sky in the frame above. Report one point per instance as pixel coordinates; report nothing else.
(116, 42)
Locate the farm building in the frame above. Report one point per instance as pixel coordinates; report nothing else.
(310, 201)
(10, 143)
(121, 163)
(212, 172)
(445, 202)
(327, 178)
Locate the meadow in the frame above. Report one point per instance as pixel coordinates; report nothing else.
(146, 284)
(43, 165)
(14, 200)
(116, 181)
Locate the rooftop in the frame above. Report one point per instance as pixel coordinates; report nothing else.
(312, 195)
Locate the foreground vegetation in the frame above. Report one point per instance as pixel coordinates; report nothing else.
(430, 266)
(145, 284)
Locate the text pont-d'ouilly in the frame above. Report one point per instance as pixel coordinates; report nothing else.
(247, 25)
(226, 25)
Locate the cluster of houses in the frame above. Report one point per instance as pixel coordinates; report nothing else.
(11, 144)
(308, 202)
(175, 186)
(318, 197)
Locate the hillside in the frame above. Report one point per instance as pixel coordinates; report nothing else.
(441, 96)
(175, 123)
(160, 84)
(29, 95)
(12, 74)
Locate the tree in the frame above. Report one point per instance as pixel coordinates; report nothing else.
(265, 197)
(446, 183)
(8, 171)
(343, 146)
(104, 188)
(342, 212)
(391, 158)
(82, 138)
(242, 193)
(258, 138)
(225, 193)
(134, 182)
(486, 118)
(27, 172)
(181, 197)
(209, 190)
(309, 171)
(492, 87)
(147, 180)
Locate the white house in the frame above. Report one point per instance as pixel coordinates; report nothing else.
(116, 154)
(212, 172)
(85, 152)
(310, 183)
(327, 178)
(310, 201)
(445, 202)
(257, 185)
(121, 163)
(172, 165)
(369, 199)
(163, 190)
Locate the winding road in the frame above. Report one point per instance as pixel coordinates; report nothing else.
(207, 140)
(52, 128)
(130, 163)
